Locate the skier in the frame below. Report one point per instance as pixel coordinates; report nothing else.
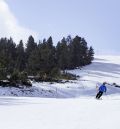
(102, 89)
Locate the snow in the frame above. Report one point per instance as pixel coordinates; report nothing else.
(45, 113)
(69, 105)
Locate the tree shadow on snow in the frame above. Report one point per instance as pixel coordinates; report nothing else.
(104, 69)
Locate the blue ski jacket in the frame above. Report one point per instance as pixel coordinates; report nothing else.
(103, 88)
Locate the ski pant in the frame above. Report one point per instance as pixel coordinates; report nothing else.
(99, 94)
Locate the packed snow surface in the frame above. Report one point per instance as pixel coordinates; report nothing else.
(69, 105)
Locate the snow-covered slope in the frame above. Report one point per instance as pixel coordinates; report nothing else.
(81, 112)
(45, 113)
(103, 68)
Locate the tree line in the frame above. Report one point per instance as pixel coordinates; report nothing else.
(43, 58)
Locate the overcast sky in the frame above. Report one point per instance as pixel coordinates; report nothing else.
(98, 21)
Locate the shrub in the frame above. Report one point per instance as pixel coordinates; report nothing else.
(55, 72)
(15, 76)
(68, 76)
(23, 76)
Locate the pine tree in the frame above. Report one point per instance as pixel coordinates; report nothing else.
(30, 47)
(34, 62)
(62, 50)
(83, 52)
(10, 55)
(44, 57)
(48, 55)
(20, 53)
(75, 49)
(90, 55)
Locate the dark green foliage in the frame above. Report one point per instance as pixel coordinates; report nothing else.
(20, 60)
(15, 76)
(72, 53)
(3, 72)
(78, 52)
(7, 54)
(55, 72)
(42, 60)
(23, 76)
(63, 54)
(24, 79)
(31, 46)
(68, 76)
(48, 61)
(90, 55)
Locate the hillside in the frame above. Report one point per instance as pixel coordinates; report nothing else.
(106, 68)
(81, 112)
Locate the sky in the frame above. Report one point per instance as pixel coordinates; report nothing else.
(97, 21)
